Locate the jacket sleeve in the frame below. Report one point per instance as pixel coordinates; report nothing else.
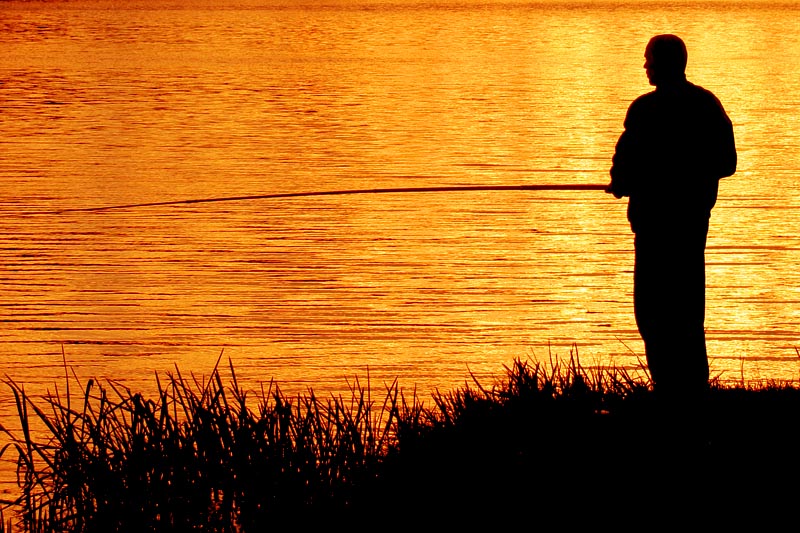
(623, 163)
(726, 158)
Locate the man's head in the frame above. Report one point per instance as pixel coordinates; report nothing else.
(665, 59)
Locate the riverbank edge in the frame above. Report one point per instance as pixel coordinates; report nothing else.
(556, 441)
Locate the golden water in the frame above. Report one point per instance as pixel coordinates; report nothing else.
(156, 101)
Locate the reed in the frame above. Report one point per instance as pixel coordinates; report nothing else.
(197, 454)
(211, 456)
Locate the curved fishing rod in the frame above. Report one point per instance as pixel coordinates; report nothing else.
(394, 190)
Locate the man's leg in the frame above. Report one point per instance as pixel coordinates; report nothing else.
(669, 305)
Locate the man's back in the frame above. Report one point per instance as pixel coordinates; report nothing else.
(677, 144)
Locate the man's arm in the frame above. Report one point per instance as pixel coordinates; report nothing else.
(718, 134)
(727, 148)
(622, 164)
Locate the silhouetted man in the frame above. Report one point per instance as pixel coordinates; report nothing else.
(677, 144)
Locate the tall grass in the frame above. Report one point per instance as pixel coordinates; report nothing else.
(198, 454)
(202, 455)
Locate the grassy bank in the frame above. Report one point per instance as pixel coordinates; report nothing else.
(555, 445)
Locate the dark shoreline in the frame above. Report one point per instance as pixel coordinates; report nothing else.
(563, 444)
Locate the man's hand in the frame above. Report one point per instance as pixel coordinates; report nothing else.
(610, 190)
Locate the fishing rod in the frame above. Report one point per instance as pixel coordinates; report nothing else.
(393, 190)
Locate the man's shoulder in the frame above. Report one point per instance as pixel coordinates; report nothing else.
(705, 103)
(702, 93)
(642, 109)
(684, 94)
(642, 103)
(644, 99)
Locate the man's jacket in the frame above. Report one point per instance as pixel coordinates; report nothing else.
(677, 144)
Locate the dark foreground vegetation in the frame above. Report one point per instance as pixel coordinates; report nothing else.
(549, 446)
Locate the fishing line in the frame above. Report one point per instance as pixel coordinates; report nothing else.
(395, 190)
